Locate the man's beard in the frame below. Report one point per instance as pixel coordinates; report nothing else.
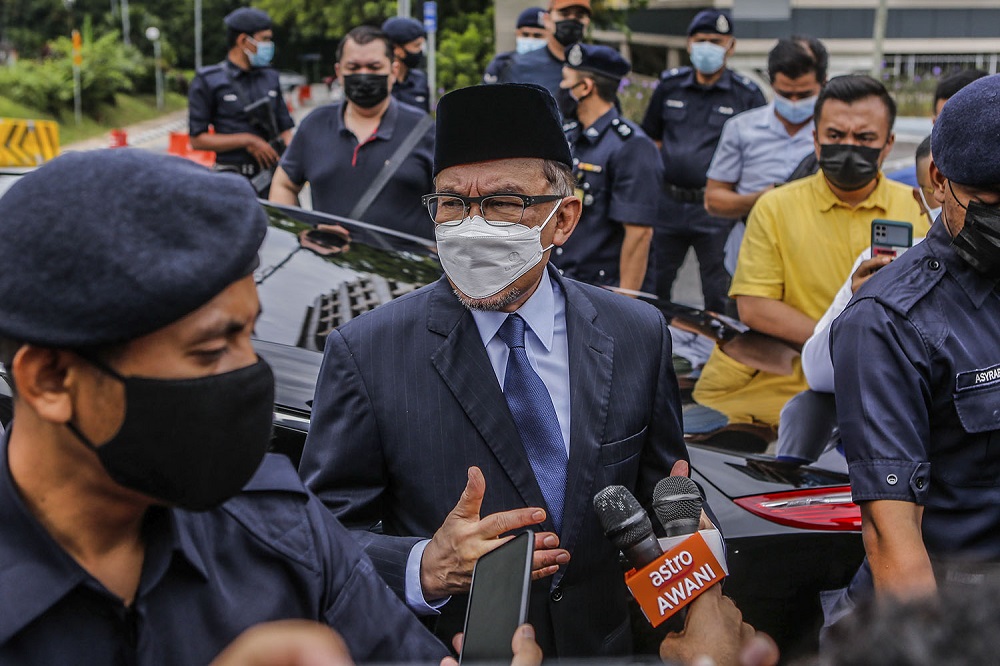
(494, 303)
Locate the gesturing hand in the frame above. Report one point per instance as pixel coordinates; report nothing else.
(447, 562)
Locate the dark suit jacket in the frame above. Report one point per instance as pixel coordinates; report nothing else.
(407, 401)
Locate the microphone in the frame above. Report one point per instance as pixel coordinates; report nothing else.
(677, 503)
(627, 525)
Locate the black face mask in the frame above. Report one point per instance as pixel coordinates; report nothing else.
(366, 90)
(192, 443)
(413, 60)
(978, 243)
(849, 167)
(568, 32)
(566, 103)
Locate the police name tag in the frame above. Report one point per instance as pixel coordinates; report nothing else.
(675, 103)
(972, 379)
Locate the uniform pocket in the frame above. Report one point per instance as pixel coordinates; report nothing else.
(974, 460)
(674, 114)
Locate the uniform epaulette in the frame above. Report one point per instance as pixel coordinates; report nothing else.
(745, 81)
(210, 69)
(911, 285)
(622, 128)
(674, 73)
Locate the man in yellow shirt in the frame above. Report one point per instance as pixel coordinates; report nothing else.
(801, 241)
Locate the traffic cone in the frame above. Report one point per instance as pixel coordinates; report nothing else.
(119, 138)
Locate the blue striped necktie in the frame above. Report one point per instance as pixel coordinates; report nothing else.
(535, 417)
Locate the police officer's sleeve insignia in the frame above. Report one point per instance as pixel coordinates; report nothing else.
(575, 56)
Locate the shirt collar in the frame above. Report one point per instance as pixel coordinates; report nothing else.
(538, 312)
(593, 133)
(976, 286)
(725, 82)
(36, 572)
(385, 126)
(879, 198)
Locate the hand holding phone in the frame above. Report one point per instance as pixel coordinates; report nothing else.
(498, 600)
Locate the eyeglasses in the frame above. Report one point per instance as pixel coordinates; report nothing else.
(497, 209)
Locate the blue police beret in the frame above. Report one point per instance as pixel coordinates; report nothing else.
(403, 29)
(503, 121)
(531, 18)
(598, 59)
(711, 21)
(965, 135)
(106, 246)
(248, 20)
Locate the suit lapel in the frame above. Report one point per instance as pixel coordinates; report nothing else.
(463, 364)
(591, 360)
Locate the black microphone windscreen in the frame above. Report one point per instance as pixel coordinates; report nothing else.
(623, 519)
(677, 503)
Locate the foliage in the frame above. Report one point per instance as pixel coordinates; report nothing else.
(47, 85)
(465, 50)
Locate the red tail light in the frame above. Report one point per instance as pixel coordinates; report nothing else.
(810, 509)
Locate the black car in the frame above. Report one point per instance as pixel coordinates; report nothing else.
(791, 532)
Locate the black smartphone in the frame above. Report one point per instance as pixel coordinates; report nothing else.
(498, 600)
(891, 238)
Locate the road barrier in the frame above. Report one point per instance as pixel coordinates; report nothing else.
(27, 142)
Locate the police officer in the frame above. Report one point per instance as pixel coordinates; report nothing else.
(241, 98)
(918, 375)
(409, 40)
(565, 22)
(529, 35)
(618, 173)
(141, 411)
(685, 118)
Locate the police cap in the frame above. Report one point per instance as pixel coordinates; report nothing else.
(965, 135)
(248, 19)
(503, 121)
(598, 59)
(105, 246)
(711, 21)
(531, 18)
(403, 29)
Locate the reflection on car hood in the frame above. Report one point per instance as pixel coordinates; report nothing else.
(313, 277)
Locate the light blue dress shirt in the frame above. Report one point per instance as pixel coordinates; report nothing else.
(548, 352)
(755, 150)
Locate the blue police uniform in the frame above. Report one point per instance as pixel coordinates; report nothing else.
(339, 169)
(497, 66)
(273, 552)
(925, 328)
(618, 174)
(413, 90)
(217, 97)
(539, 67)
(688, 118)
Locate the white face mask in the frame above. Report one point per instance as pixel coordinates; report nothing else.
(483, 259)
(528, 44)
(931, 212)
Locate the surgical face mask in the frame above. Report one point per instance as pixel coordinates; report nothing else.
(413, 60)
(795, 112)
(528, 44)
(264, 54)
(708, 58)
(847, 166)
(483, 259)
(366, 90)
(569, 31)
(191, 443)
(931, 212)
(978, 243)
